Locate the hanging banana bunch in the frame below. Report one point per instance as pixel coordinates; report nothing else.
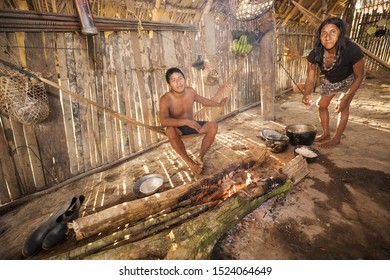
(241, 45)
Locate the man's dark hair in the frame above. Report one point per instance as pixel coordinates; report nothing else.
(340, 44)
(170, 71)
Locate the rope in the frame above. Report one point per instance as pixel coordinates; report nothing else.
(292, 79)
(158, 129)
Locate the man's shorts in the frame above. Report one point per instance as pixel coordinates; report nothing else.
(186, 130)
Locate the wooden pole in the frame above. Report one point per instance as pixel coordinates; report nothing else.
(267, 61)
(134, 233)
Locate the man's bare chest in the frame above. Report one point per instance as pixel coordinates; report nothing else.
(181, 108)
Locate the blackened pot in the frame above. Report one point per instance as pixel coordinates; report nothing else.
(277, 143)
(301, 134)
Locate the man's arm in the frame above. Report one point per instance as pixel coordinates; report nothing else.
(309, 84)
(208, 102)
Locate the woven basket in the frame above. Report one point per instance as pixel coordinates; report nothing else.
(249, 9)
(23, 99)
(212, 78)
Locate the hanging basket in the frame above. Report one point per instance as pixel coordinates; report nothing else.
(22, 98)
(249, 9)
(212, 78)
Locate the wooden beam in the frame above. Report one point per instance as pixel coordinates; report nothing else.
(207, 8)
(26, 21)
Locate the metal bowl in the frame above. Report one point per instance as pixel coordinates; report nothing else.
(309, 153)
(148, 185)
(301, 134)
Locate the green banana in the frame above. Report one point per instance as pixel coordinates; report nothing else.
(239, 48)
(245, 39)
(241, 45)
(235, 46)
(242, 42)
(248, 48)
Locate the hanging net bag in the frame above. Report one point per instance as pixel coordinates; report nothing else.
(211, 74)
(23, 98)
(249, 9)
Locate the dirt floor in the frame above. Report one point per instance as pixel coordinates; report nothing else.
(340, 210)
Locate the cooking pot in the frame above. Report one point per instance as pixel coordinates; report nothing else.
(277, 143)
(301, 134)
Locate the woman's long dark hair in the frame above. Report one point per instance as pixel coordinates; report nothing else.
(340, 44)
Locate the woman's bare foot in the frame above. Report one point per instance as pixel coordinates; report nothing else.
(330, 143)
(322, 137)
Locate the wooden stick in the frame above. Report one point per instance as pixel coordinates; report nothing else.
(117, 115)
(224, 89)
(135, 233)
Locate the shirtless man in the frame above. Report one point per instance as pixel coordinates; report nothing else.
(176, 114)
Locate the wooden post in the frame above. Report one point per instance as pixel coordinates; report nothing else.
(86, 18)
(267, 61)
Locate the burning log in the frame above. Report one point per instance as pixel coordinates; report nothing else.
(195, 238)
(117, 216)
(186, 222)
(142, 230)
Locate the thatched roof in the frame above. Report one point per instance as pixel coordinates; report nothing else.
(180, 11)
(191, 11)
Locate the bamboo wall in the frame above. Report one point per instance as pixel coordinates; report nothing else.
(294, 43)
(379, 46)
(123, 71)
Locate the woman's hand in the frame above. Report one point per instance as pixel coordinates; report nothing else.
(341, 104)
(306, 99)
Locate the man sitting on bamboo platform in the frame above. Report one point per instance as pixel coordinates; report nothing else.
(176, 114)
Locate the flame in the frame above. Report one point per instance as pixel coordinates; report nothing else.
(248, 179)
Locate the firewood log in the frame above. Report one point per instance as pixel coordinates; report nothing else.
(195, 238)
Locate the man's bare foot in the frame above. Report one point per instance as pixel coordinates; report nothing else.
(200, 162)
(322, 137)
(196, 168)
(330, 143)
